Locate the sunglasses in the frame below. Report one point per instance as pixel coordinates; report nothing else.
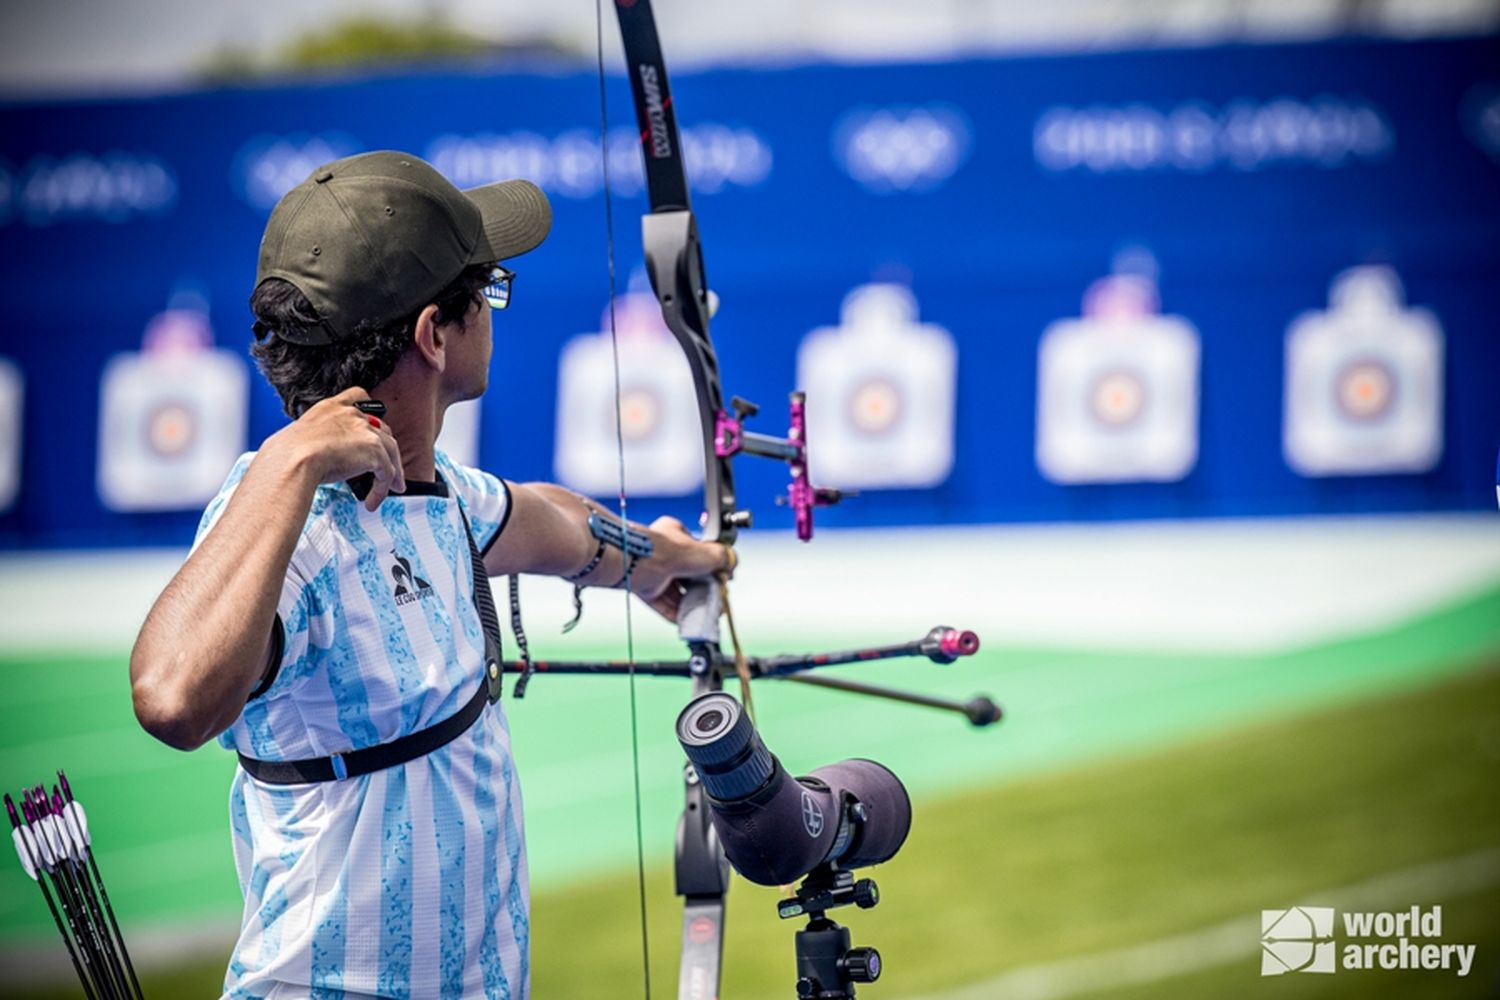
(497, 292)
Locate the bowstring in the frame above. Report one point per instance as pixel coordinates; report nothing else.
(614, 343)
(741, 661)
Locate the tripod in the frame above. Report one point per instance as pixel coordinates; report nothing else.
(827, 968)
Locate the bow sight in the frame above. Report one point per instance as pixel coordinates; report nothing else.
(730, 438)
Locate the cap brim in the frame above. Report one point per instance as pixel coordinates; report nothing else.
(517, 217)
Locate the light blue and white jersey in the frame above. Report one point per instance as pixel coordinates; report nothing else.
(411, 881)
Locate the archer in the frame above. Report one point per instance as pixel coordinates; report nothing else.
(333, 624)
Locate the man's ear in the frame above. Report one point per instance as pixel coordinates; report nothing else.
(431, 339)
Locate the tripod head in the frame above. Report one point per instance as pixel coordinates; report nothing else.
(827, 967)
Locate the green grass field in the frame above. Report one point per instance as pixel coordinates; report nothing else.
(1125, 799)
(1102, 853)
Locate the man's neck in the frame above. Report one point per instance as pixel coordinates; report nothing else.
(414, 418)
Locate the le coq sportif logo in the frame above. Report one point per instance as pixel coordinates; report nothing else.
(409, 586)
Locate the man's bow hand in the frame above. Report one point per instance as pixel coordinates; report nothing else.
(677, 558)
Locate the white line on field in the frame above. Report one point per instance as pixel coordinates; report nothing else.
(1255, 585)
(1228, 942)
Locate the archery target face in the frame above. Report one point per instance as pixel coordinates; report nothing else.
(658, 414)
(1117, 399)
(171, 429)
(1364, 382)
(881, 390)
(12, 388)
(875, 407)
(1365, 390)
(640, 413)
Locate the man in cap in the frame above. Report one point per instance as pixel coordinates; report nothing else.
(330, 624)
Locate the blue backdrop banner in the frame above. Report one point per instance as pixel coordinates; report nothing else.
(1229, 281)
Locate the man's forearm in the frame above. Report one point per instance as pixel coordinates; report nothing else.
(582, 549)
(550, 534)
(205, 644)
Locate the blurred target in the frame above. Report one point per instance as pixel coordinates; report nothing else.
(875, 407)
(658, 409)
(172, 416)
(12, 394)
(640, 413)
(1365, 390)
(1117, 387)
(881, 393)
(1363, 382)
(1118, 398)
(170, 429)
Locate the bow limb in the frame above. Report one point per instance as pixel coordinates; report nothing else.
(674, 256)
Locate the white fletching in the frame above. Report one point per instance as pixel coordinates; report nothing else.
(80, 820)
(37, 834)
(18, 835)
(56, 842)
(72, 836)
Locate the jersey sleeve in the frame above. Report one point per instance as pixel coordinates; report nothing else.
(485, 499)
(216, 506)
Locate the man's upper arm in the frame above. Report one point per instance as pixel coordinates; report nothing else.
(521, 528)
(538, 537)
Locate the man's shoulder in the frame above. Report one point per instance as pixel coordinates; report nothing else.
(471, 483)
(332, 504)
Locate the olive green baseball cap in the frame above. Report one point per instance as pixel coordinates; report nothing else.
(376, 237)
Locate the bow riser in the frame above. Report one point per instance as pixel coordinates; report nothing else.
(674, 262)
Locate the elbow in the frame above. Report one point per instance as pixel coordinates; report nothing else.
(164, 712)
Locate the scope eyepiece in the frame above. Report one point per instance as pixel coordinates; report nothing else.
(731, 759)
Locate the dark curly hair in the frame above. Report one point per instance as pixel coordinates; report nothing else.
(303, 374)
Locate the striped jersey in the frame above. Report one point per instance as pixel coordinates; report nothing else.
(410, 881)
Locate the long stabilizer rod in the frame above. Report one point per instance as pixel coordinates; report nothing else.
(940, 645)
